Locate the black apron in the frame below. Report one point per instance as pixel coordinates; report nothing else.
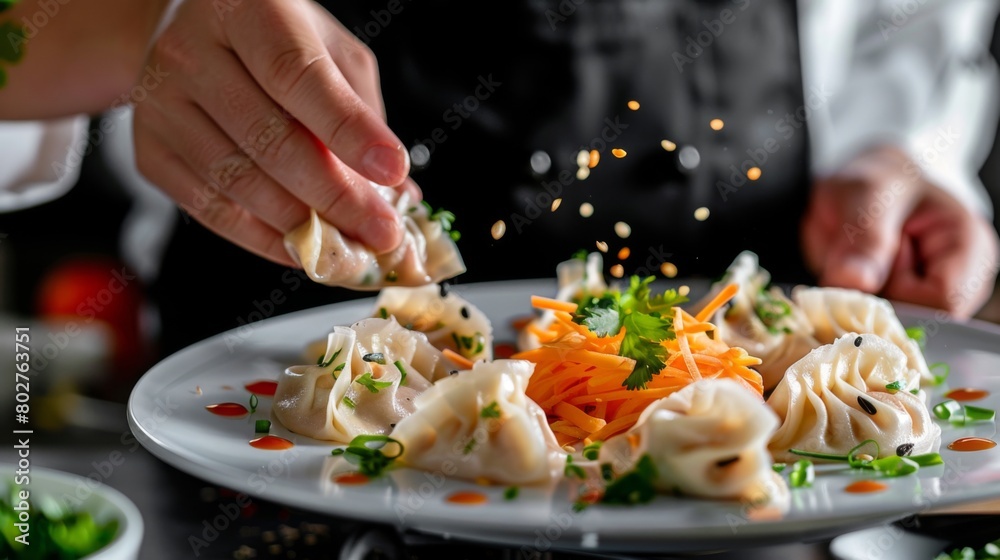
(495, 101)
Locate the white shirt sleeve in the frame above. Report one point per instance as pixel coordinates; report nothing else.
(913, 73)
(39, 160)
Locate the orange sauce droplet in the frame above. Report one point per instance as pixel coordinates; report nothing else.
(972, 444)
(467, 498)
(353, 478)
(865, 486)
(227, 409)
(967, 394)
(262, 388)
(503, 350)
(271, 443)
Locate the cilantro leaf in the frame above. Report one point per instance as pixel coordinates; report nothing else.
(643, 334)
(368, 382)
(634, 487)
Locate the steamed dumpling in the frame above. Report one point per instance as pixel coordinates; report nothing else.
(426, 255)
(709, 439)
(449, 321)
(837, 396)
(762, 321)
(479, 424)
(333, 401)
(836, 311)
(576, 277)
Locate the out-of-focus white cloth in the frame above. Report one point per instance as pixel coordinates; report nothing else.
(912, 73)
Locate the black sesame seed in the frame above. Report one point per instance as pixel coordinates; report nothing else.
(443, 287)
(857, 342)
(392, 425)
(727, 462)
(465, 312)
(904, 450)
(453, 372)
(867, 405)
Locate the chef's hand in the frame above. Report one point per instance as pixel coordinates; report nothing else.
(270, 107)
(879, 226)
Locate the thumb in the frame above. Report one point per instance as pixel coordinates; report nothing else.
(862, 253)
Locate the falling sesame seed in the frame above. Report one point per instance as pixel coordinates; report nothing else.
(623, 230)
(634, 105)
(595, 158)
(586, 209)
(582, 173)
(618, 271)
(582, 158)
(701, 214)
(618, 153)
(668, 145)
(684, 290)
(499, 228)
(556, 203)
(753, 173)
(602, 246)
(623, 253)
(668, 269)
(569, 448)
(716, 124)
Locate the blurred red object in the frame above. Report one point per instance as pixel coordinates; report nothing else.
(85, 289)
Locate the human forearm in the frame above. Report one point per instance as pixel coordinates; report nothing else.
(76, 56)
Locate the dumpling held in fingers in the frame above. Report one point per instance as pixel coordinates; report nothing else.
(762, 320)
(856, 389)
(449, 320)
(709, 439)
(479, 424)
(426, 255)
(366, 382)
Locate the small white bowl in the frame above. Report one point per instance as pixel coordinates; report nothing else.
(103, 502)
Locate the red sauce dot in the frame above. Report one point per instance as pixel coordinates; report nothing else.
(227, 409)
(865, 487)
(271, 443)
(467, 498)
(353, 478)
(262, 388)
(967, 394)
(972, 444)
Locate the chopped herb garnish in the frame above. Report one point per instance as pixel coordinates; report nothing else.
(446, 218)
(326, 364)
(402, 371)
(491, 410)
(366, 451)
(374, 357)
(894, 386)
(349, 403)
(771, 309)
(368, 382)
(262, 426)
(779, 467)
(470, 446)
(511, 493)
(383, 313)
(802, 474)
(591, 451)
(607, 472)
(645, 328)
(945, 371)
(253, 403)
(891, 466)
(573, 470)
(960, 415)
(391, 276)
(634, 487)
(915, 391)
(990, 551)
(894, 466)
(338, 369)
(917, 334)
(580, 255)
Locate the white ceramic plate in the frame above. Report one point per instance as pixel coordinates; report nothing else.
(169, 418)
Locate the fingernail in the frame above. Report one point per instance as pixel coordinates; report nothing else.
(861, 272)
(380, 234)
(385, 165)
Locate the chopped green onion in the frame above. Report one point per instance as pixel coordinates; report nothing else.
(262, 426)
(402, 371)
(927, 459)
(580, 255)
(960, 415)
(591, 451)
(917, 334)
(511, 493)
(326, 364)
(635, 487)
(894, 466)
(455, 235)
(338, 369)
(470, 446)
(253, 403)
(573, 471)
(491, 410)
(894, 386)
(368, 382)
(940, 378)
(349, 403)
(383, 313)
(915, 391)
(366, 451)
(802, 474)
(779, 467)
(978, 414)
(607, 472)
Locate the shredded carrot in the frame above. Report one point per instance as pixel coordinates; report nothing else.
(579, 377)
(457, 359)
